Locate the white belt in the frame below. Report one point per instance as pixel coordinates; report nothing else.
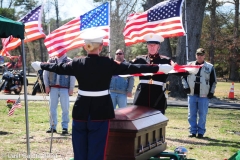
(151, 82)
(93, 93)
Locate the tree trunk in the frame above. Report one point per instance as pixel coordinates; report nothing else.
(41, 49)
(57, 12)
(195, 14)
(165, 48)
(234, 73)
(119, 12)
(150, 3)
(213, 7)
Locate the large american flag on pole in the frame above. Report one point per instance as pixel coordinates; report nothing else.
(66, 37)
(17, 104)
(33, 31)
(165, 19)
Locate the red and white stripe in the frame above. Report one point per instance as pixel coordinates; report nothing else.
(5, 42)
(33, 31)
(66, 38)
(193, 69)
(137, 26)
(17, 104)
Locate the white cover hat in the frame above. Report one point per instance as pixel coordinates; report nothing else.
(95, 35)
(153, 38)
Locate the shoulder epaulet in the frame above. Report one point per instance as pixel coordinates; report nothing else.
(133, 60)
(117, 62)
(208, 63)
(191, 63)
(141, 56)
(164, 57)
(80, 57)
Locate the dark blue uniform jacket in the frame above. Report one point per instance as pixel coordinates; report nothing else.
(94, 73)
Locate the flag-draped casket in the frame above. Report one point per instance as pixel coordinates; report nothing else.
(136, 133)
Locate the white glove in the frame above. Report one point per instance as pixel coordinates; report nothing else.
(165, 68)
(36, 65)
(193, 70)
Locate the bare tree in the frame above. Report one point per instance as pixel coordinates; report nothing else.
(212, 6)
(119, 12)
(10, 3)
(55, 3)
(234, 52)
(1, 3)
(150, 3)
(195, 13)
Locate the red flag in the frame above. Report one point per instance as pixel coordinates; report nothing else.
(67, 38)
(164, 18)
(17, 104)
(33, 31)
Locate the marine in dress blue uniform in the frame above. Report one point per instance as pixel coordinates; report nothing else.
(150, 90)
(93, 107)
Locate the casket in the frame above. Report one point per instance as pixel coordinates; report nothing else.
(136, 133)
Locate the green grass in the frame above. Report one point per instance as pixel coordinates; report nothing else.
(222, 127)
(13, 132)
(222, 135)
(221, 91)
(223, 88)
(31, 80)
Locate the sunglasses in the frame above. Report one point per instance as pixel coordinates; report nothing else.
(119, 53)
(200, 54)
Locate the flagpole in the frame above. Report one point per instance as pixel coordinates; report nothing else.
(48, 19)
(49, 27)
(109, 22)
(186, 30)
(25, 98)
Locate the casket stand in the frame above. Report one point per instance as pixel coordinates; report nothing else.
(136, 133)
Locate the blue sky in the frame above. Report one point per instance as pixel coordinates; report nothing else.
(74, 8)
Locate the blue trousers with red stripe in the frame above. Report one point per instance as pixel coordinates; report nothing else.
(89, 139)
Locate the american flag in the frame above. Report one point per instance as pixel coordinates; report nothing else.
(17, 104)
(33, 31)
(66, 37)
(164, 19)
(5, 42)
(193, 69)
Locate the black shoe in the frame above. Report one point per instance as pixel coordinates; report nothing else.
(64, 131)
(192, 135)
(50, 130)
(200, 136)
